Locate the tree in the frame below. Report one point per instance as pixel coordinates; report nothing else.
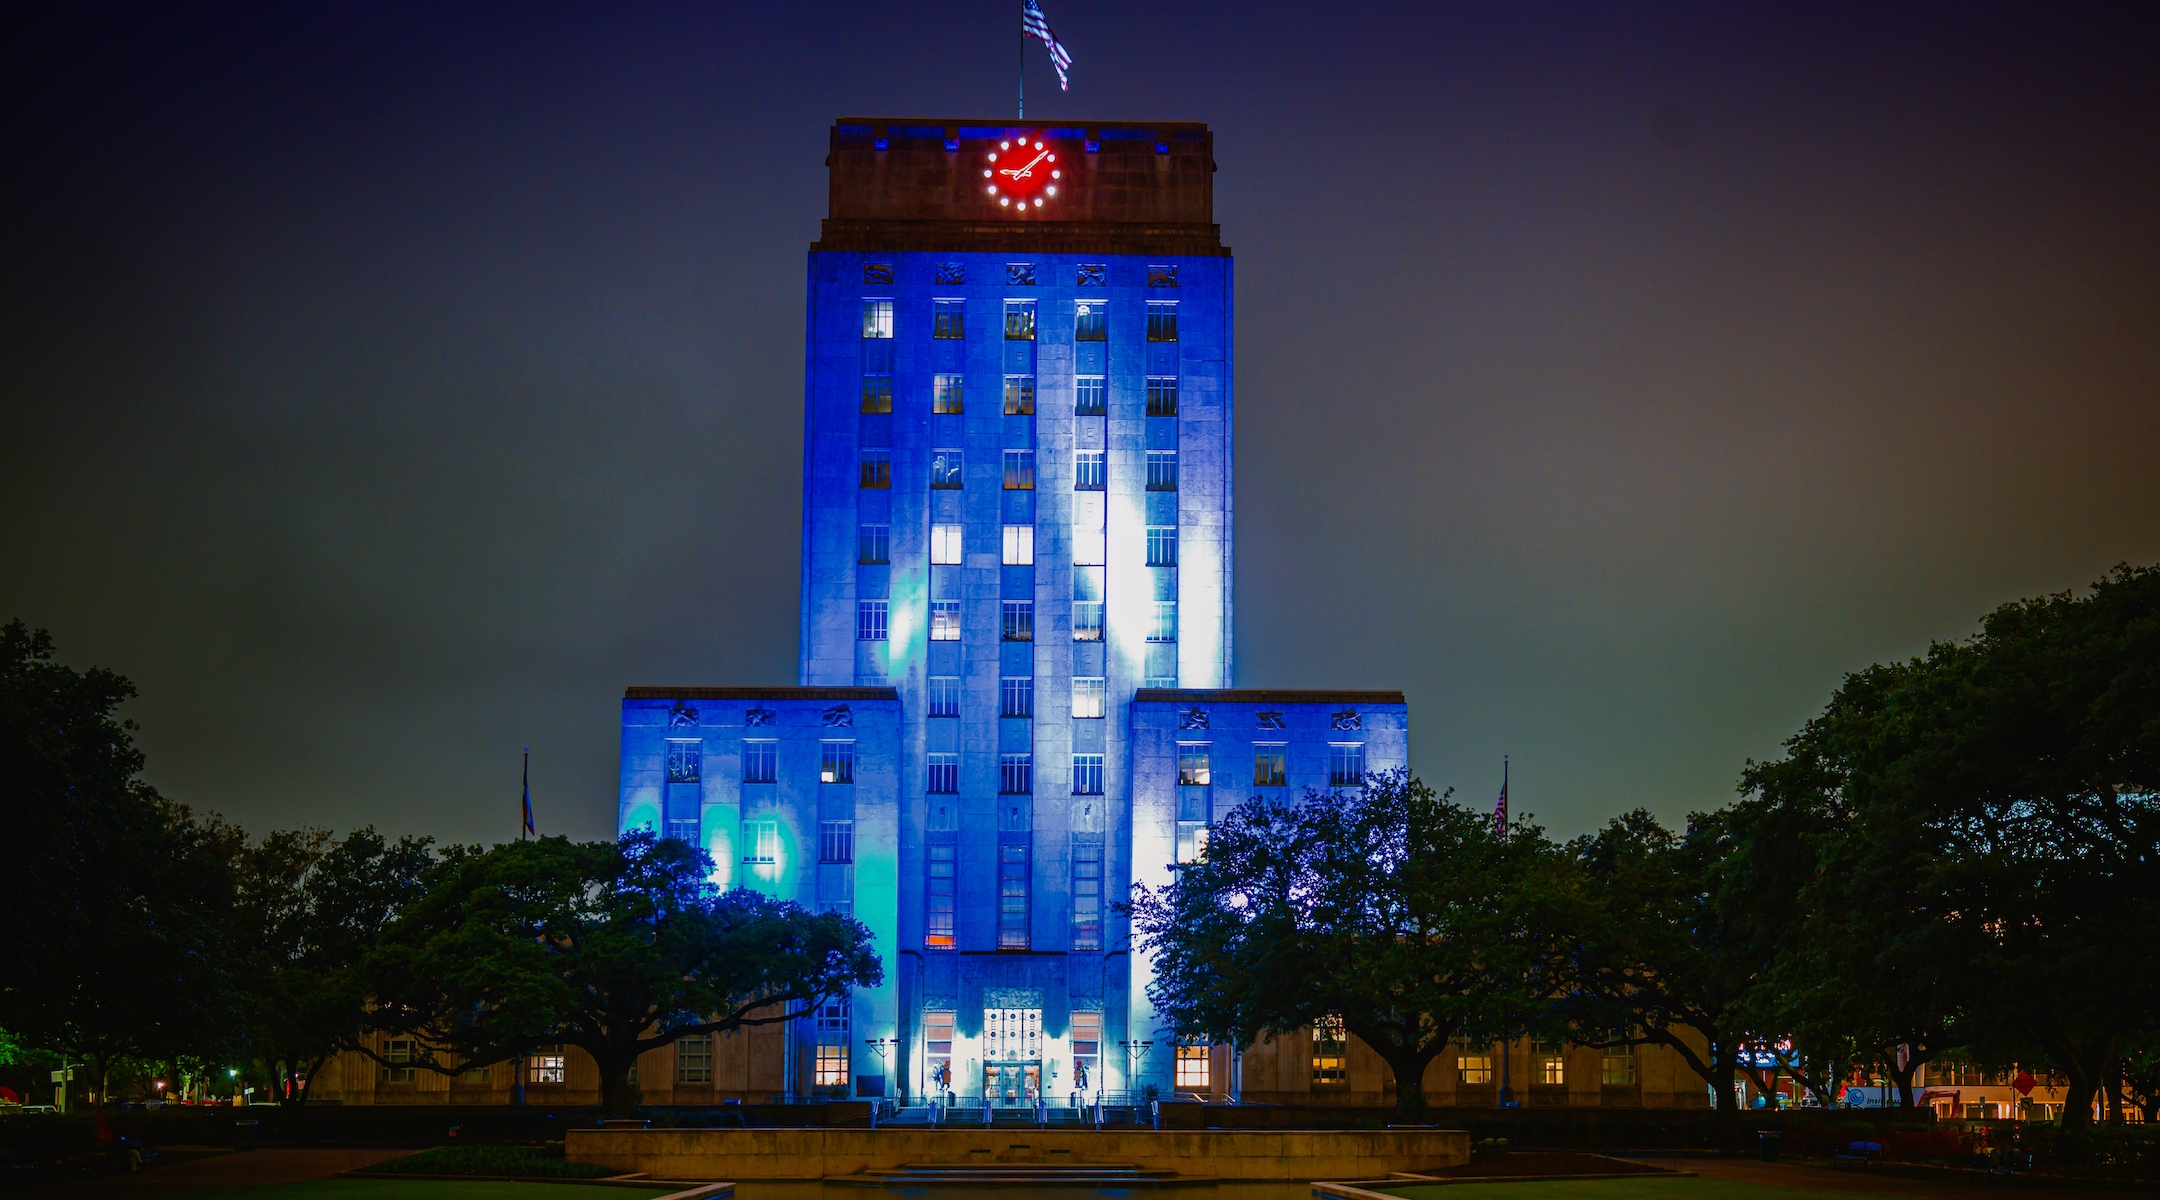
(1407, 915)
(613, 947)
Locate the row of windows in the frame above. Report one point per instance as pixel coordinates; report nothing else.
(1016, 620)
(948, 470)
(1090, 395)
(1013, 887)
(873, 545)
(1022, 274)
(948, 320)
(1016, 698)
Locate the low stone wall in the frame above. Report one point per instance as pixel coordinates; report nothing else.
(817, 1153)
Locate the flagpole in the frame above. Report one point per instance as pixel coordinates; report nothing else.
(1023, 70)
(1507, 1090)
(525, 808)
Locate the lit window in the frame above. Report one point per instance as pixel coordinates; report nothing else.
(1016, 696)
(938, 925)
(1020, 321)
(1086, 1039)
(944, 620)
(1161, 470)
(1019, 395)
(832, 1044)
(877, 318)
(1473, 1068)
(1087, 620)
(1019, 470)
(945, 545)
(937, 1050)
(877, 468)
(547, 1064)
(1346, 765)
(836, 841)
(1088, 321)
(1165, 627)
(946, 468)
(838, 765)
(944, 775)
(875, 544)
(1087, 775)
(1267, 766)
(1018, 624)
(1087, 856)
(1090, 396)
(760, 762)
(877, 393)
(1088, 471)
(945, 394)
(1162, 320)
(870, 620)
(1087, 696)
(1192, 1068)
(694, 1059)
(1330, 1051)
(1619, 1066)
(1162, 545)
(1013, 896)
(398, 1051)
(1162, 395)
(1192, 766)
(944, 695)
(948, 319)
(685, 760)
(1016, 774)
(1019, 545)
(761, 841)
(1548, 1063)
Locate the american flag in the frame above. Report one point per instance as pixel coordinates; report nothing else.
(1499, 811)
(1035, 24)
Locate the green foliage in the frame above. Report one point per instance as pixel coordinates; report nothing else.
(522, 1162)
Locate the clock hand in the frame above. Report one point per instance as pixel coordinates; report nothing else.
(1023, 172)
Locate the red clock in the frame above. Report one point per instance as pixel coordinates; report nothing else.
(1021, 176)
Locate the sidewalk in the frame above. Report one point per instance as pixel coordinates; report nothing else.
(1824, 1179)
(216, 1173)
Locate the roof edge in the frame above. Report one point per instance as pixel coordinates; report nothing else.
(1261, 696)
(761, 693)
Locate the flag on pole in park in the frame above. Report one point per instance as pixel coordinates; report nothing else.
(528, 795)
(1499, 811)
(1035, 24)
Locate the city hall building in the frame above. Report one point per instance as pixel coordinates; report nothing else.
(1015, 697)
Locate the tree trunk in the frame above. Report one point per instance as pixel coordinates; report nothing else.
(1903, 1073)
(618, 1096)
(1409, 1068)
(2113, 1074)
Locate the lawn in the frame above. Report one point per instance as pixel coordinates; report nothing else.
(1653, 1187)
(350, 1188)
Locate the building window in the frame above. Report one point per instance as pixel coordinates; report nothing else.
(1016, 774)
(1087, 775)
(547, 1064)
(761, 841)
(1018, 624)
(1090, 396)
(1330, 1051)
(1087, 1047)
(836, 841)
(1165, 627)
(1089, 324)
(1020, 321)
(1346, 765)
(1012, 896)
(1619, 1066)
(1473, 1068)
(684, 761)
(945, 469)
(1087, 620)
(870, 620)
(693, 1059)
(1019, 546)
(1267, 766)
(1162, 545)
(874, 545)
(948, 320)
(944, 695)
(938, 922)
(1019, 470)
(877, 318)
(944, 620)
(1192, 766)
(944, 775)
(877, 393)
(1087, 696)
(1548, 1063)
(1162, 470)
(1088, 472)
(1019, 395)
(1162, 320)
(1087, 859)
(937, 1049)
(945, 394)
(1162, 395)
(398, 1051)
(1192, 1068)
(760, 762)
(1016, 696)
(477, 1074)
(832, 1044)
(838, 763)
(683, 829)
(945, 545)
(877, 468)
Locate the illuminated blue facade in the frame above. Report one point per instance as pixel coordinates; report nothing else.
(1016, 637)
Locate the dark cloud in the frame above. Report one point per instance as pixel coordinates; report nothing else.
(388, 386)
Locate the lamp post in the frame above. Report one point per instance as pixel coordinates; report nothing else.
(883, 1046)
(1135, 1054)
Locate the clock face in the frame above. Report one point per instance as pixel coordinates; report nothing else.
(1022, 176)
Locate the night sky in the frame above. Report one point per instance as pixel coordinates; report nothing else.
(387, 387)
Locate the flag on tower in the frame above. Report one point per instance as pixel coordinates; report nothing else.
(1035, 24)
(1499, 811)
(528, 795)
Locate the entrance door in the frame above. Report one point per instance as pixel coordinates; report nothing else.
(1012, 1085)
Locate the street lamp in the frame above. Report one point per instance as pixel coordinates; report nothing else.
(1135, 1054)
(883, 1046)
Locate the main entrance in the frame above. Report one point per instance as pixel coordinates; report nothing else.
(1012, 1055)
(1012, 1084)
